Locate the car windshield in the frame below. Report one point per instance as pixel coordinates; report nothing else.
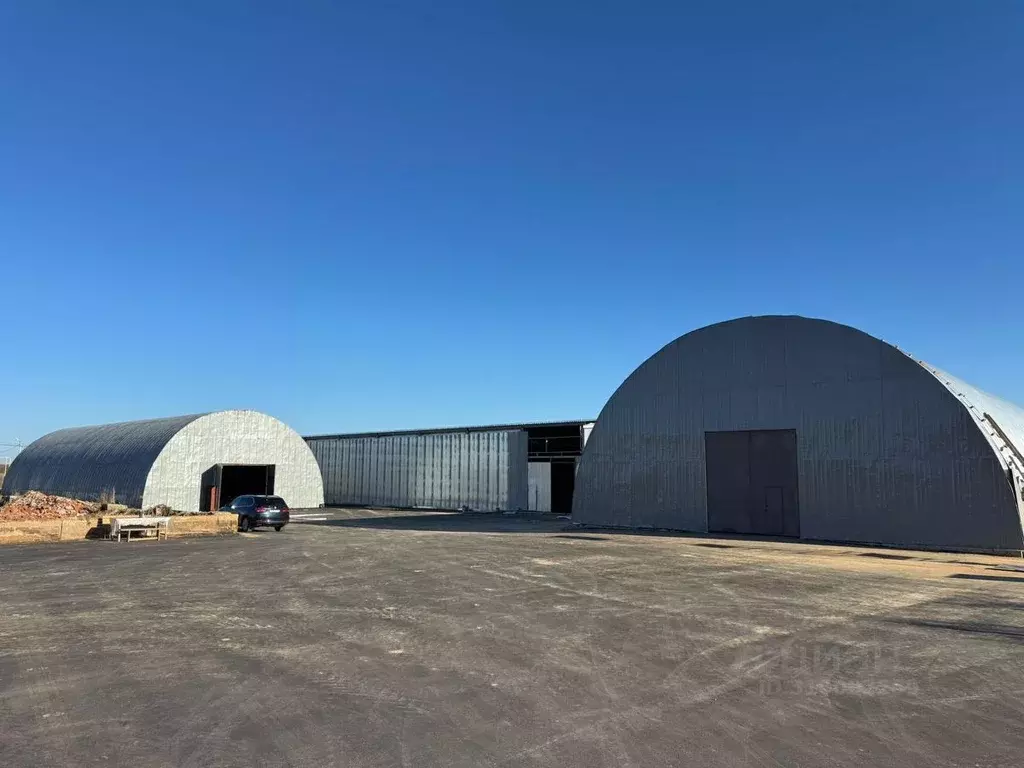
(270, 501)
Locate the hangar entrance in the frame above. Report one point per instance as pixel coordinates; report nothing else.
(752, 482)
(222, 483)
(559, 446)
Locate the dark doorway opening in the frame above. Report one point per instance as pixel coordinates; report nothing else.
(752, 482)
(563, 482)
(223, 483)
(560, 445)
(555, 441)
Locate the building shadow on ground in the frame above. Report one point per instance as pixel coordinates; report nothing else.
(988, 577)
(564, 528)
(972, 627)
(454, 522)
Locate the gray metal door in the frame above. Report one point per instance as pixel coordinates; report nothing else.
(727, 463)
(752, 482)
(770, 517)
(773, 481)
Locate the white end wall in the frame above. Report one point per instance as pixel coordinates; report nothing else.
(233, 437)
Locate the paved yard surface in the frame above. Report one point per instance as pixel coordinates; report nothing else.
(419, 640)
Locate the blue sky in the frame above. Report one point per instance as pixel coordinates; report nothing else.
(471, 212)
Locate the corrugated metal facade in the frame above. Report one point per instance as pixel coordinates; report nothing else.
(885, 453)
(479, 470)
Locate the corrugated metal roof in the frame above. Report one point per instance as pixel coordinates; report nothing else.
(449, 430)
(83, 462)
(1001, 421)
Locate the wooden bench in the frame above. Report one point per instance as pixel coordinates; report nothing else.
(130, 525)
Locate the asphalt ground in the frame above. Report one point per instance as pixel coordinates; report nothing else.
(412, 639)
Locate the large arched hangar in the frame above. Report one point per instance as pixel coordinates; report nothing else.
(805, 428)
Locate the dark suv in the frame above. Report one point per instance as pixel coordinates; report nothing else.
(254, 511)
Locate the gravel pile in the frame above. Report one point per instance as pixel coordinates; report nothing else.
(40, 506)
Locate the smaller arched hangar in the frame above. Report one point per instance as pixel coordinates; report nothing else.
(190, 463)
(798, 427)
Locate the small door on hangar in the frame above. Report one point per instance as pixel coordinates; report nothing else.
(752, 482)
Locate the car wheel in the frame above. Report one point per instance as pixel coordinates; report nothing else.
(278, 528)
(244, 525)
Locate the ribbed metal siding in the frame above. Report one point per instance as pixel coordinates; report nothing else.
(885, 453)
(478, 470)
(86, 462)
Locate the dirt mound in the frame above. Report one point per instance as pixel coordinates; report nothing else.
(40, 506)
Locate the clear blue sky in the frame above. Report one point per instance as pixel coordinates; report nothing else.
(471, 212)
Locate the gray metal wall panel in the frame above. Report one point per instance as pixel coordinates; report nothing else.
(539, 486)
(517, 449)
(444, 467)
(479, 470)
(885, 453)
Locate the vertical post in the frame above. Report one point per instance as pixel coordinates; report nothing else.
(213, 499)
